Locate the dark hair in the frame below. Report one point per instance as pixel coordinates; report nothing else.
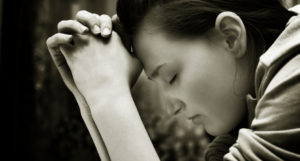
(264, 19)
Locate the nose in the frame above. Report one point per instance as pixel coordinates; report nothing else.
(176, 107)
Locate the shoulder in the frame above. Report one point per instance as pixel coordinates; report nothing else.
(280, 99)
(277, 81)
(284, 49)
(274, 133)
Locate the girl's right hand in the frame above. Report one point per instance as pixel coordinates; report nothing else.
(85, 22)
(98, 25)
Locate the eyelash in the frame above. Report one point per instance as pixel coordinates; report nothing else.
(173, 79)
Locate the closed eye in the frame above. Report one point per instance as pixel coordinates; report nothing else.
(173, 79)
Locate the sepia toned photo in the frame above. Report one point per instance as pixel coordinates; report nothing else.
(150, 80)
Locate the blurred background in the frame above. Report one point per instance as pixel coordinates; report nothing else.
(40, 118)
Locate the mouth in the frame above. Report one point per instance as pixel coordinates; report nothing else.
(192, 117)
(196, 119)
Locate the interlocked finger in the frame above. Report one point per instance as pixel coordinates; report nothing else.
(71, 27)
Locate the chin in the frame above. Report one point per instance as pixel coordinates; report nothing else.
(216, 130)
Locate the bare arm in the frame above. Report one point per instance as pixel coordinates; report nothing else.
(117, 119)
(102, 72)
(54, 42)
(66, 75)
(91, 126)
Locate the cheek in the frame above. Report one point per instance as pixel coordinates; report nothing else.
(199, 92)
(210, 93)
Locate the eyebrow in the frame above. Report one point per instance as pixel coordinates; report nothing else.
(156, 71)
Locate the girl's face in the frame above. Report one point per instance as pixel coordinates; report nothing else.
(196, 78)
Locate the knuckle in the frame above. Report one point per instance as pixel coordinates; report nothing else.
(94, 19)
(82, 13)
(51, 40)
(55, 38)
(96, 16)
(61, 23)
(105, 17)
(115, 18)
(66, 23)
(48, 41)
(69, 21)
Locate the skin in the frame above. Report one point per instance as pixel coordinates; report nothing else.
(212, 78)
(105, 101)
(205, 79)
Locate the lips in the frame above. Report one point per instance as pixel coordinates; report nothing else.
(176, 107)
(196, 119)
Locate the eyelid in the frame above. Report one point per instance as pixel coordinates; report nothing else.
(173, 79)
(156, 71)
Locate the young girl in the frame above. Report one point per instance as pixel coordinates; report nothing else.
(232, 66)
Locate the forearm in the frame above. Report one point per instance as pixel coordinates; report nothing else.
(121, 127)
(91, 126)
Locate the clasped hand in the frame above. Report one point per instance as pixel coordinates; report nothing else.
(91, 57)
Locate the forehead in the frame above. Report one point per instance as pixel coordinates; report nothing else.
(153, 46)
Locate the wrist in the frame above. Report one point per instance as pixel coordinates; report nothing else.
(107, 95)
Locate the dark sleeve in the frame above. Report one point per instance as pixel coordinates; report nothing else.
(275, 130)
(218, 147)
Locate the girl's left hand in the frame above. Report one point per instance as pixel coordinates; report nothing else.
(85, 43)
(85, 22)
(100, 65)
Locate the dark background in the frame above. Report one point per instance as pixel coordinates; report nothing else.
(39, 116)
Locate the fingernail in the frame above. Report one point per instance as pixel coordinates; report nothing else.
(106, 31)
(96, 29)
(69, 37)
(84, 30)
